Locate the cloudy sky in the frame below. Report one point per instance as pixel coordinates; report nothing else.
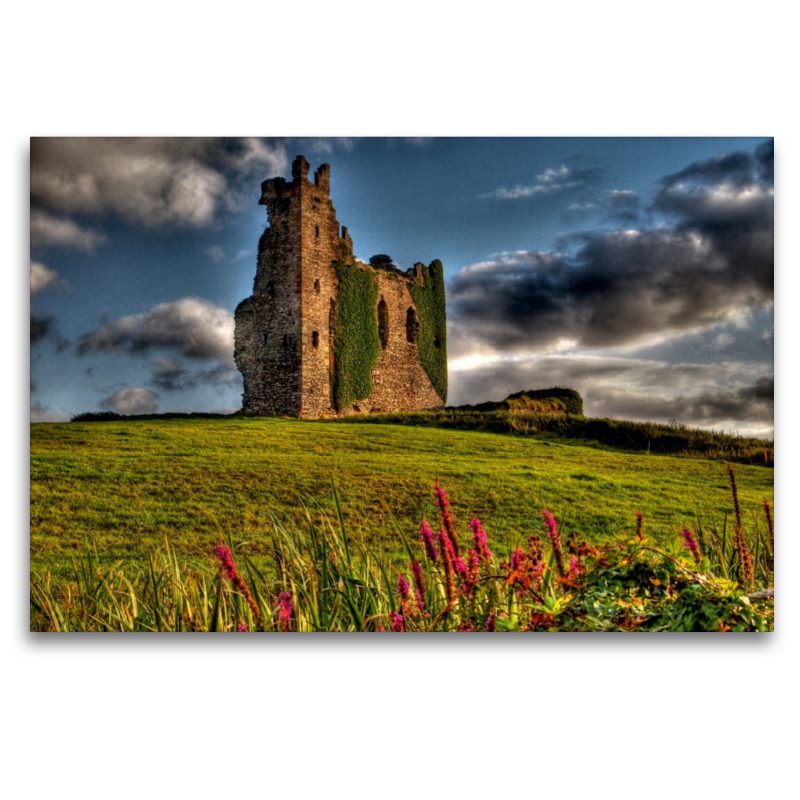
(637, 271)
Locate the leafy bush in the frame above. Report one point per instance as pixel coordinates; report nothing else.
(96, 416)
(559, 398)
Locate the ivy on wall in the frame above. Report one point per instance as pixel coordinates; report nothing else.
(432, 341)
(356, 344)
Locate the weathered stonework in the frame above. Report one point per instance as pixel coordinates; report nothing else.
(284, 337)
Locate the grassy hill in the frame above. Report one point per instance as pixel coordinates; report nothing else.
(126, 485)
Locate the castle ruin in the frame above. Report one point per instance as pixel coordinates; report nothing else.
(324, 334)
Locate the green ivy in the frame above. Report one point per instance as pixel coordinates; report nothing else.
(432, 342)
(356, 344)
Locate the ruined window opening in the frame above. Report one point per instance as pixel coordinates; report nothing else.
(412, 325)
(315, 339)
(285, 339)
(436, 342)
(264, 338)
(383, 323)
(271, 290)
(316, 231)
(316, 285)
(332, 318)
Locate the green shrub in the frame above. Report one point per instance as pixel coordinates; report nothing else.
(96, 416)
(559, 398)
(432, 343)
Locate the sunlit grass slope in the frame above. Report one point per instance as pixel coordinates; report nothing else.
(126, 485)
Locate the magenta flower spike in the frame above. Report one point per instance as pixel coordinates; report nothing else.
(550, 524)
(426, 533)
(284, 610)
(479, 537)
(517, 558)
(691, 544)
(225, 557)
(403, 589)
(396, 622)
(419, 584)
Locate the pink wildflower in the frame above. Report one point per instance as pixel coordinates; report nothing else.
(691, 544)
(285, 611)
(471, 577)
(226, 561)
(446, 516)
(396, 622)
(243, 627)
(479, 537)
(228, 567)
(517, 557)
(427, 540)
(550, 524)
(575, 566)
(490, 622)
(461, 567)
(403, 589)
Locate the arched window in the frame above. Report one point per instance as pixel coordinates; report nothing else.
(316, 285)
(412, 325)
(383, 323)
(315, 339)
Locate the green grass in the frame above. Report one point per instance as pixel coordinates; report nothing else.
(127, 485)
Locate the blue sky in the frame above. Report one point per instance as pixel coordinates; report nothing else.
(638, 271)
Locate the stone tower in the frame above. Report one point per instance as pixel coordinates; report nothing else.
(298, 342)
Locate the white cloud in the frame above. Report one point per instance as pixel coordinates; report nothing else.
(553, 179)
(132, 401)
(41, 277)
(48, 230)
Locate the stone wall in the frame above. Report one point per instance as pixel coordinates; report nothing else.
(284, 332)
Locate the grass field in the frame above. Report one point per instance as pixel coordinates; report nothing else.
(126, 485)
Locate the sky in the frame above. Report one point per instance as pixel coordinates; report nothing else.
(639, 271)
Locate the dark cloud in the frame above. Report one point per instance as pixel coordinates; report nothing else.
(40, 327)
(168, 375)
(714, 262)
(765, 158)
(171, 376)
(132, 401)
(725, 395)
(154, 181)
(192, 327)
